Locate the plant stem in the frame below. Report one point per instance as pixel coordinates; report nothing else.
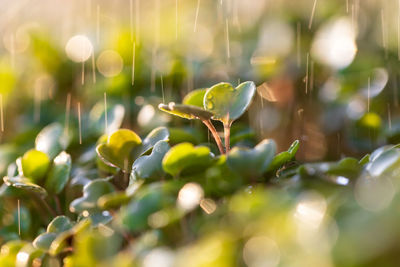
(227, 134)
(58, 205)
(214, 133)
(49, 208)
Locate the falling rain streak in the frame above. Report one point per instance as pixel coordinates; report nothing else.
(153, 71)
(83, 73)
(131, 18)
(298, 44)
(228, 50)
(197, 16)
(37, 104)
(1, 113)
(19, 218)
(67, 112)
(383, 31)
(105, 113)
(389, 117)
(137, 21)
(368, 93)
(98, 25)
(133, 62)
(93, 69)
(79, 123)
(312, 14)
(398, 30)
(162, 89)
(176, 19)
(306, 78)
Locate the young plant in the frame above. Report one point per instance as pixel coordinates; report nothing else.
(192, 108)
(221, 102)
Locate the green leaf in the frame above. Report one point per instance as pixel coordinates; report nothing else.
(60, 242)
(25, 184)
(147, 167)
(113, 200)
(384, 162)
(91, 193)
(228, 103)
(31, 254)
(97, 218)
(185, 158)
(184, 134)
(335, 172)
(9, 251)
(195, 97)
(156, 135)
(252, 163)
(154, 197)
(12, 247)
(51, 140)
(35, 164)
(44, 240)
(284, 157)
(65, 238)
(59, 224)
(117, 151)
(186, 111)
(59, 173)
(220, 179)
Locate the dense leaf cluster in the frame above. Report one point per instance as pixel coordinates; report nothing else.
(132, 200)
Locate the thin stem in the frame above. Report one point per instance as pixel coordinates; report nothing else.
(227, 134)
(214, 133)
(48, 207)
(58, 205)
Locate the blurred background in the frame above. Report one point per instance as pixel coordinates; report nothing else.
(326, 70)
